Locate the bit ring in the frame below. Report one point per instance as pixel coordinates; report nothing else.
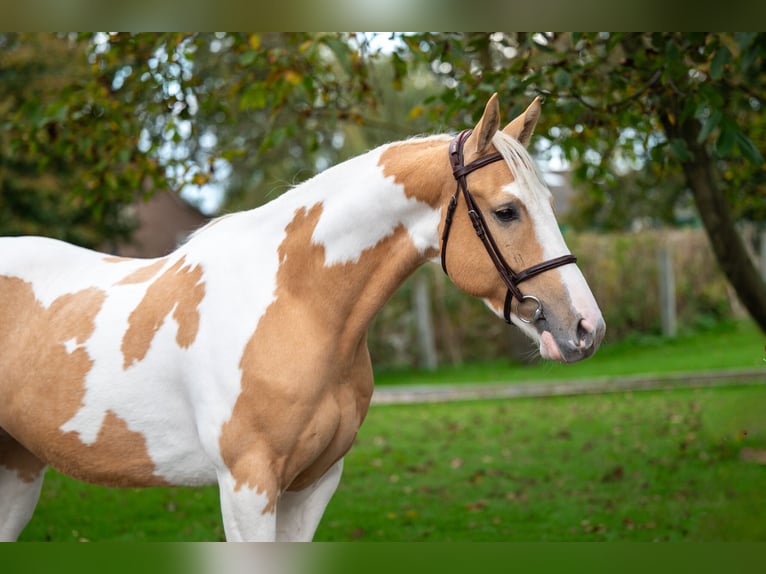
(537, 313)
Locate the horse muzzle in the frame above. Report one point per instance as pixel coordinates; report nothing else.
(569, 347)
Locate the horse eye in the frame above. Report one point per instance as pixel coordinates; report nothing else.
(507, 214)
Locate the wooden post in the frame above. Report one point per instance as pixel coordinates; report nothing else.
(421, 301)
(667, 292)
(450, 336)
(763, 253)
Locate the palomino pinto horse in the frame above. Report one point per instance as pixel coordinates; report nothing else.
(241, 358)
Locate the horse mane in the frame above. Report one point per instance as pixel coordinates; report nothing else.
(520, 162)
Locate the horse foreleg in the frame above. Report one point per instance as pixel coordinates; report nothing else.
(21, 478)
(299, 513)
(249, 513)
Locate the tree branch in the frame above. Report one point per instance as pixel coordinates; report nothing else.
(614, 107)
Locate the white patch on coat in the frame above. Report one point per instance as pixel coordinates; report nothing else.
(243, 514)
(17, 502)
(71, 345)
(361, 207)
(299, 513)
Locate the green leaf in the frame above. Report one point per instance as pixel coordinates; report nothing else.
(680, 149)
(232, 153)
(726, 137)
(247, 58)
(255, 97)
(748, 148)
(710, 124)
(562, 79)
(721, 58)
(341, 51)
(273, 139)
(512, 83)
(748, 58)
(400, 70)
(673, 58)
(57, 112)
(744, 39)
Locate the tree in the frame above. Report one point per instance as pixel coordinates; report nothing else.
(52, 179)
(92, 121)
(683, 105)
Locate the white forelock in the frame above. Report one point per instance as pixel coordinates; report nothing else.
(521, 164)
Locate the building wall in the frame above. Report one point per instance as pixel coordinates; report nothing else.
(164, 222)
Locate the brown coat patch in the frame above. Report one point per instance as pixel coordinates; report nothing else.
(13, 456)
(143, 274)
(422, 168)
(121, 455)
(42, 387)
(306, 372)
(179, 289)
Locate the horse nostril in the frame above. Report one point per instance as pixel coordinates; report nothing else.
(585, 334)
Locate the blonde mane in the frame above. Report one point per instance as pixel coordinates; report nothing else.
(521, 164)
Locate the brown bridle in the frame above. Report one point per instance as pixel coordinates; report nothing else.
(508, 275)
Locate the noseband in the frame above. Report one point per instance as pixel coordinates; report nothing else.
(508, 275)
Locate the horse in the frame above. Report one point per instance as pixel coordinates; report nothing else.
(240, 359)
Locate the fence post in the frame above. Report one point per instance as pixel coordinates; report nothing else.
(763, 253)
(421, 300)
(667, 292)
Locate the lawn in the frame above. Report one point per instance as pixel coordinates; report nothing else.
(732, 345)
(667, 465)
(678, 465)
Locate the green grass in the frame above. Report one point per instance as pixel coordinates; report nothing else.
(726, 346)
(631, 467)
(659, 465)
(71, 511)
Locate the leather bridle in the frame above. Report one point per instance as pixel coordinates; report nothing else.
(508, 275)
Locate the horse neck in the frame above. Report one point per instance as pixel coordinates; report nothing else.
(359, 229)
(335, 248)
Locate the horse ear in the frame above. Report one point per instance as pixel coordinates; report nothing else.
(487, 127)
(522, 127)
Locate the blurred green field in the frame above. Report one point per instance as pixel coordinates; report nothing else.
(728, 345)
(684, 465)
(676, 465)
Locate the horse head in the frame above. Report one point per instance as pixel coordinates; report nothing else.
(505, 245)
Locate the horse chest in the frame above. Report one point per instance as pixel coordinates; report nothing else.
(344, 413)
(299, 419)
